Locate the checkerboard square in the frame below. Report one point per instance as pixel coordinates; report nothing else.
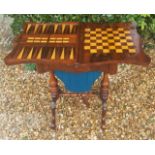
(130, 43)
(116, 38)
(87, 47)
(92, 38)
(104, 32)
(92, 51)
(87, 35)
(119, 51)
(98, 35)
(109, 29)
(117, 44)
(122, 35)
(98, 29)
(106, 51)
(124, 47)
(86, 41)
(121, 29)
(110, 35)
(99, 41)
(115, 32)
(93, 44)
(112, 47)
(87, 29)
(129, 38)
(127, 32)
(123, 40)
(105, 44)
(92, 32)
(111, 41)
(100, 47)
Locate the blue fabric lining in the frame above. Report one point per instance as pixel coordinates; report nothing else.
(78, 82)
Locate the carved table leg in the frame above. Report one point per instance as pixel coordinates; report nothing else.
(54, 94)
(104, 96)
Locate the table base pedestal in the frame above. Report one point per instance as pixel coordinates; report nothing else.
(55, 93)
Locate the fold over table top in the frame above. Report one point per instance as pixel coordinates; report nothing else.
(77, 45)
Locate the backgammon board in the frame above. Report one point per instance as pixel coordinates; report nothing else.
(78, 47)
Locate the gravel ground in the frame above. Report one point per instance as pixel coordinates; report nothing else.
(25, 104)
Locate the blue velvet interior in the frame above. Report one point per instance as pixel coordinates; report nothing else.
(78, 82)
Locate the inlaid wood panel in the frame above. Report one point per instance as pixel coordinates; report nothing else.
(77, 46)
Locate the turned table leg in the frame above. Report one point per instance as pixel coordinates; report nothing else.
(104, 96)
(54, 94)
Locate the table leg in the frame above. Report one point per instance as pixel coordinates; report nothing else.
(54, 94)
(104, 96)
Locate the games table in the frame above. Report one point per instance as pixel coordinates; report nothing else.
(77, 53)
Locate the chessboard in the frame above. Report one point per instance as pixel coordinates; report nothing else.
(108, 40)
